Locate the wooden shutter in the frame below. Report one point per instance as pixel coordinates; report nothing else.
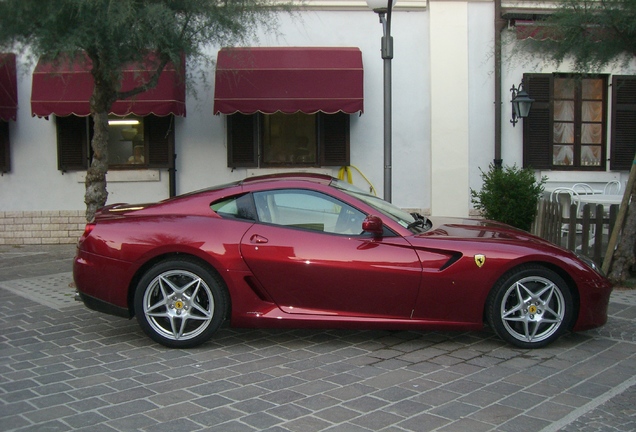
(623, 144)
(537, 127)
(242, 131)
(334, 139)
(5, 160)
(159, 137)
(73, 136)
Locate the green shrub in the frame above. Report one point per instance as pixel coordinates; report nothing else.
(509, 195)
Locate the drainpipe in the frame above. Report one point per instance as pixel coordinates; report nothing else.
(500, 25)
(172, 176)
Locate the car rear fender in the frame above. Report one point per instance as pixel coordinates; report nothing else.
(206, 262)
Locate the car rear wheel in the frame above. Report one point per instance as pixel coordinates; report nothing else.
(530, 307)
(179, 303)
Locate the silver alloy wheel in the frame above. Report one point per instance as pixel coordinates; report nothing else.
(532, 309)
(178, 305)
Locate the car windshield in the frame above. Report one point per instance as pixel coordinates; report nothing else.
(413, 221)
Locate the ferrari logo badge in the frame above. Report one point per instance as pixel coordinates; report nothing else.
(480, 260)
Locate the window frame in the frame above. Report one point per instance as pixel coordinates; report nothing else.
(74, 150)
(538, 127)
(245, 141)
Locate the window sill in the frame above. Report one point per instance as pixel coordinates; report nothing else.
(129, 175)
(580, 176)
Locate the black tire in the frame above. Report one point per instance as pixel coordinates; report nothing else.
(530, 307)
(180, 304)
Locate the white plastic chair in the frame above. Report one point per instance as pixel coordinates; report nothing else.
(612, 188)
(566, 196)
(583, 189)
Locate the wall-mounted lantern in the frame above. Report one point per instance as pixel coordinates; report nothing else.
(521, 103)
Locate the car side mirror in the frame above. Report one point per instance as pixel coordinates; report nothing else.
(373, 224)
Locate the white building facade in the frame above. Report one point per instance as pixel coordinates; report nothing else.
(444, 129)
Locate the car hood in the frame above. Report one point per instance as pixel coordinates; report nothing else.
(461, 228)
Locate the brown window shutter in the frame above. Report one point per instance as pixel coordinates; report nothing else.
(334, 139)
(72, 142)
(242, 131)
(623, 144)
(5, 160)
(537, 130)
(159, 137)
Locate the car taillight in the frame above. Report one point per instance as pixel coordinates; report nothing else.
(87, 231)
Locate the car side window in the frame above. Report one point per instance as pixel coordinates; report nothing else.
(239, 207)
(297, 208)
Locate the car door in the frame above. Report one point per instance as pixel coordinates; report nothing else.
(311, 256)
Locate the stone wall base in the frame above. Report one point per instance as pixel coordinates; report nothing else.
(41, 227)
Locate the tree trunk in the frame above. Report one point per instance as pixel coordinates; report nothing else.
(623, 257)
(101, 101)
(96, 193)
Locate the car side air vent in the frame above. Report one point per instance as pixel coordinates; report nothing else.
(257, 289)
(451, 261)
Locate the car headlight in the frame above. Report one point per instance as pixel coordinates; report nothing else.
(591, 264)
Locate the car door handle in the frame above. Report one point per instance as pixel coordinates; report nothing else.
(258, 239)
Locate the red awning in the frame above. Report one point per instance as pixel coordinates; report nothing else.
(541, 31)
(288, 80)
(64, 88)
(527, 29)
(8, 88)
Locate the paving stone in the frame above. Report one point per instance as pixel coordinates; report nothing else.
(423, 422)
(215, 416)
(376, 420)
(288, 411)
(137, 422)
(337, 414)
(84, 419)
(44, 415)
(261, 420)
(524, 423)
(454, 410)
(126, 409)
(464, 424)
(306, 424)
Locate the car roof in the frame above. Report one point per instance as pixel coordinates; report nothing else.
(299, 176)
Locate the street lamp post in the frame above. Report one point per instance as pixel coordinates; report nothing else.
(383, 9)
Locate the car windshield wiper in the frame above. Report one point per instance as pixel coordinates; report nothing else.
(419, 221)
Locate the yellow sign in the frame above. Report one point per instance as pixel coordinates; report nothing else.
(480, 260)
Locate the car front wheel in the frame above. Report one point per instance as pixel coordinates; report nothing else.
(180, 304)
(530, 307)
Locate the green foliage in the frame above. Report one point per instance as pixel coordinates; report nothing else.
(509, 195)
(114, 33)
(593, 33)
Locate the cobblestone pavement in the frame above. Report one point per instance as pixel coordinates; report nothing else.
(63, 367)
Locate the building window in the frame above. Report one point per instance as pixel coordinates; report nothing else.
(567, 126)
(288, 140)
(126, 141)
(134, 142)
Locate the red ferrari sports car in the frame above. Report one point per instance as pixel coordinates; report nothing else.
(305, 250)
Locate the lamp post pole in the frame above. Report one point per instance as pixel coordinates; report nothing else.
(387, 55)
